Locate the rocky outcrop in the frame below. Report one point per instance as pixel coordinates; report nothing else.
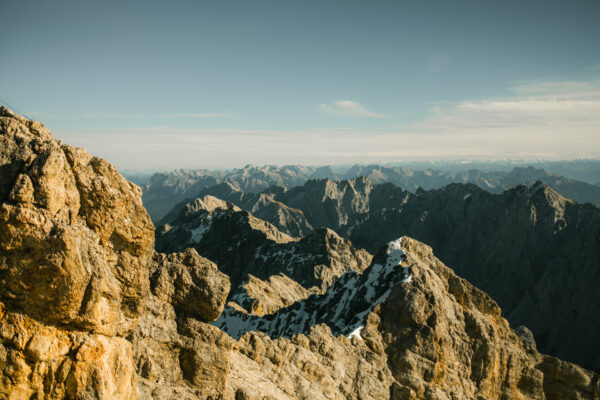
(74, 238)
(447, 339)
(75, 243)
(39, 361)
(265, 206)
(261, 205)
(343, 307)
(564, 380)
(522, 247)
(179, 357)
(190, 283)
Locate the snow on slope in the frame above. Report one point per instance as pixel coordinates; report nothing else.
(343, 307)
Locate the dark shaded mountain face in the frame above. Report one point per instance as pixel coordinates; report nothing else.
(164, 190)
(262, 205)
(268, 269)
(533, 251)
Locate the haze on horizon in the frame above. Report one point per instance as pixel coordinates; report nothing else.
(157, 85)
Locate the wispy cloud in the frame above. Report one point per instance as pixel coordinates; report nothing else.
(38, 114)
(108, 115)
(194, 115)
(553, 106)
(576, 89)
(111, 115)
(348, 108)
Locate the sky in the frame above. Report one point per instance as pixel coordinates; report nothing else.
(154, 85)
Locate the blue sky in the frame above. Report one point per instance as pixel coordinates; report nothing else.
(160, 85)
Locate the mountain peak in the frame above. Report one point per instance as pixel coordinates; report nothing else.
(208, 203)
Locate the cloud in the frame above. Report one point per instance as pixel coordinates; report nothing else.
(111, 115)
(555, 106)
(348, 108)
(576, 89)
(107, 115)
(38, 114)
(194, 115)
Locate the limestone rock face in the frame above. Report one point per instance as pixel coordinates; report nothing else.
(179, 357)
(313, 367)
(74, 237)
(191, 283)
(564, 380)
(270, 295)
(522, 248)
(40, 361)
(75, 243)
(446, 339)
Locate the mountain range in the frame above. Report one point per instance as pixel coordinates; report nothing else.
(91, 308)
(164, 190)
(522, 247)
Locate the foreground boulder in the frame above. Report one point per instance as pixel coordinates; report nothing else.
(190, 283)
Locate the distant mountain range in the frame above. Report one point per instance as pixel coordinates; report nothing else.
(164, 190)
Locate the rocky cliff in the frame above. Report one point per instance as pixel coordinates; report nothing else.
(88, 309)
(75, 243)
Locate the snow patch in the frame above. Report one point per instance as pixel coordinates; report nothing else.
(356, 333)
(199, 232)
